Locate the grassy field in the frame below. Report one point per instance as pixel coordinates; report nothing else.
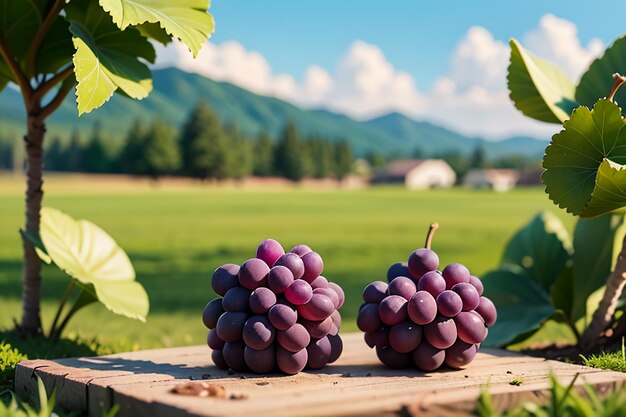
(177, 233)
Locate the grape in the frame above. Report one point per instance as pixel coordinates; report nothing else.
(294, 338)
(233, 355)
(330, 294)
(230, 326)
(449, 303)
(313, 266)
(212, 312)
(299, 292)
(319, 307)
(279, 278)
(391, 358)
(469, 295)
(236, 299)
(319, 282)
(260, 361)
(282, 316)
(224, 278)
(300, 250)
(478, 284)
(460, 354)
(368, 319)
(405, 337)
(402, 286)
(319, 352)
(422, 308)
(269, 251)
(339, 291)
(218, 359)
(487, 311)
(336, 318)
(258, 333)
(293, 262)
(253, 274)
(379, 337)
(375, 292)
(317, 329)
(428, 358)
(261, 300)
(441, 333)
(432, 282)
(471, 327)
(454, 274)
(422, 261)
(336, 347)
(392, 310)
(398, 269)
(291, 362)
(214, 341)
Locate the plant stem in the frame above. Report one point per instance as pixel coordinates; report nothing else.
(431, 232)
(619, 80)
(66, 296)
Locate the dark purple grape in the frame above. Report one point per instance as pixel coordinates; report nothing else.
(212, 313)
(218, 359)
(478, 284)
(318, 308)
(336, 347)
(379, 337)
(214, 341)
(294, 338)
(313, 266)
(393, 359)
(299, 292)
(392, 310)
(282, 316)
(422, 261)
(233, 353)
(368, 319)
(261, 300)
(258, 333)
(449, 303)
(375, 292)
(339, 291)
(319, 352)
(487, 311)
(455, 274)
(279, 278)
(405, 337)
(471, 327)
(460, 354)
(269, 251)
(236, 299)
(293, 262)
(300, 250)
(224, 278)
(469, 295)
(399, 269)
(428, 358)
(402, 286)
(230, 326)
(253, 274)
(260, 361)
(330, 294)
(291, 362)
(319, 282)
(422, 308)
(432, 282)
(441, 333)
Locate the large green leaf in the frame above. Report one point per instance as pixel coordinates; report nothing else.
(583, 172)
(538, 88)
(187, 20)
(596, 82)
(88, 254)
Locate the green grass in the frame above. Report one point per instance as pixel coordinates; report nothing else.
(176, 234)
(615, 361)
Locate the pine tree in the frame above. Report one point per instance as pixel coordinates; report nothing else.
(240, 157)
(343, 160)
(55, 155)
(131, 155)
(291, 159)
(478, 158)
(263, 155)
(96, 156)
(74, 154)
(322, 157)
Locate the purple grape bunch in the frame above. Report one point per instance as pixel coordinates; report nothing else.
(276, 312)
(424, 317)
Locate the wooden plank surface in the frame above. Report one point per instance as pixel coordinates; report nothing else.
(357, 384)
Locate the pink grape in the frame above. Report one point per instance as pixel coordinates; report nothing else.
(319, 282)
(375, 292)
(258, 333)
(339, 291)
(487, 311)
(212, 313)
(260, 361)
(460, 354)
(279, 278)
(368, 319)
(317, 329)
(469, 295)
(299, 292)
(253, 274)
(294, 338)
(478, 284)
(428, 358)
(319, 307)
(392, 310)
(233, 353)
(398, 269)
(441, 333)
(422, 308)
(379, 337)
(282, 316)
(402, 286)
(293, 262)
(318, 353)
(431, 282)
(261, 300)
(449, 303)
(313, 266)
(300, 250)
(391, 358)
(471, 327)
(330, 294)
(336, 345)
(405, 337)
(336, 318)
(454, 274)
(224, 278)
(422, 261)
(291, 362)
(269, 251)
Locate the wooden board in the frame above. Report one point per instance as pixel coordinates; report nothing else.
(357, 384)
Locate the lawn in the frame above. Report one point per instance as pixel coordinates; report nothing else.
(177, 233)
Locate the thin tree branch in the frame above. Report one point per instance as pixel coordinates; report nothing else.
(17, 72)
(45, 26)
(44, 88)
(65, 88)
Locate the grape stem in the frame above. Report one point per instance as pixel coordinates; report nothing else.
(431, 232)
(619, 80)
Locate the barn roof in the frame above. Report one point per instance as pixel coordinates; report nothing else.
(401, 167)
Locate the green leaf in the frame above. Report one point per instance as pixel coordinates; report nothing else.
(154, 31)
(596, 82)
(187, 20)
(562, 292)
(37, 244)
(582, 163)
(88, 254)
(538, 88)
(56, 49)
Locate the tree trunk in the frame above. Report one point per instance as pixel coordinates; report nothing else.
(31, 288)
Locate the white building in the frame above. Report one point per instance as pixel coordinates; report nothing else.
(418, 174)
(496, 179)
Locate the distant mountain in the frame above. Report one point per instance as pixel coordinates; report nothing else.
(176, 92)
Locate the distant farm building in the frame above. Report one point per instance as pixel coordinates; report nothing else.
(530, 177)
(417, 174)
(495, 179)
